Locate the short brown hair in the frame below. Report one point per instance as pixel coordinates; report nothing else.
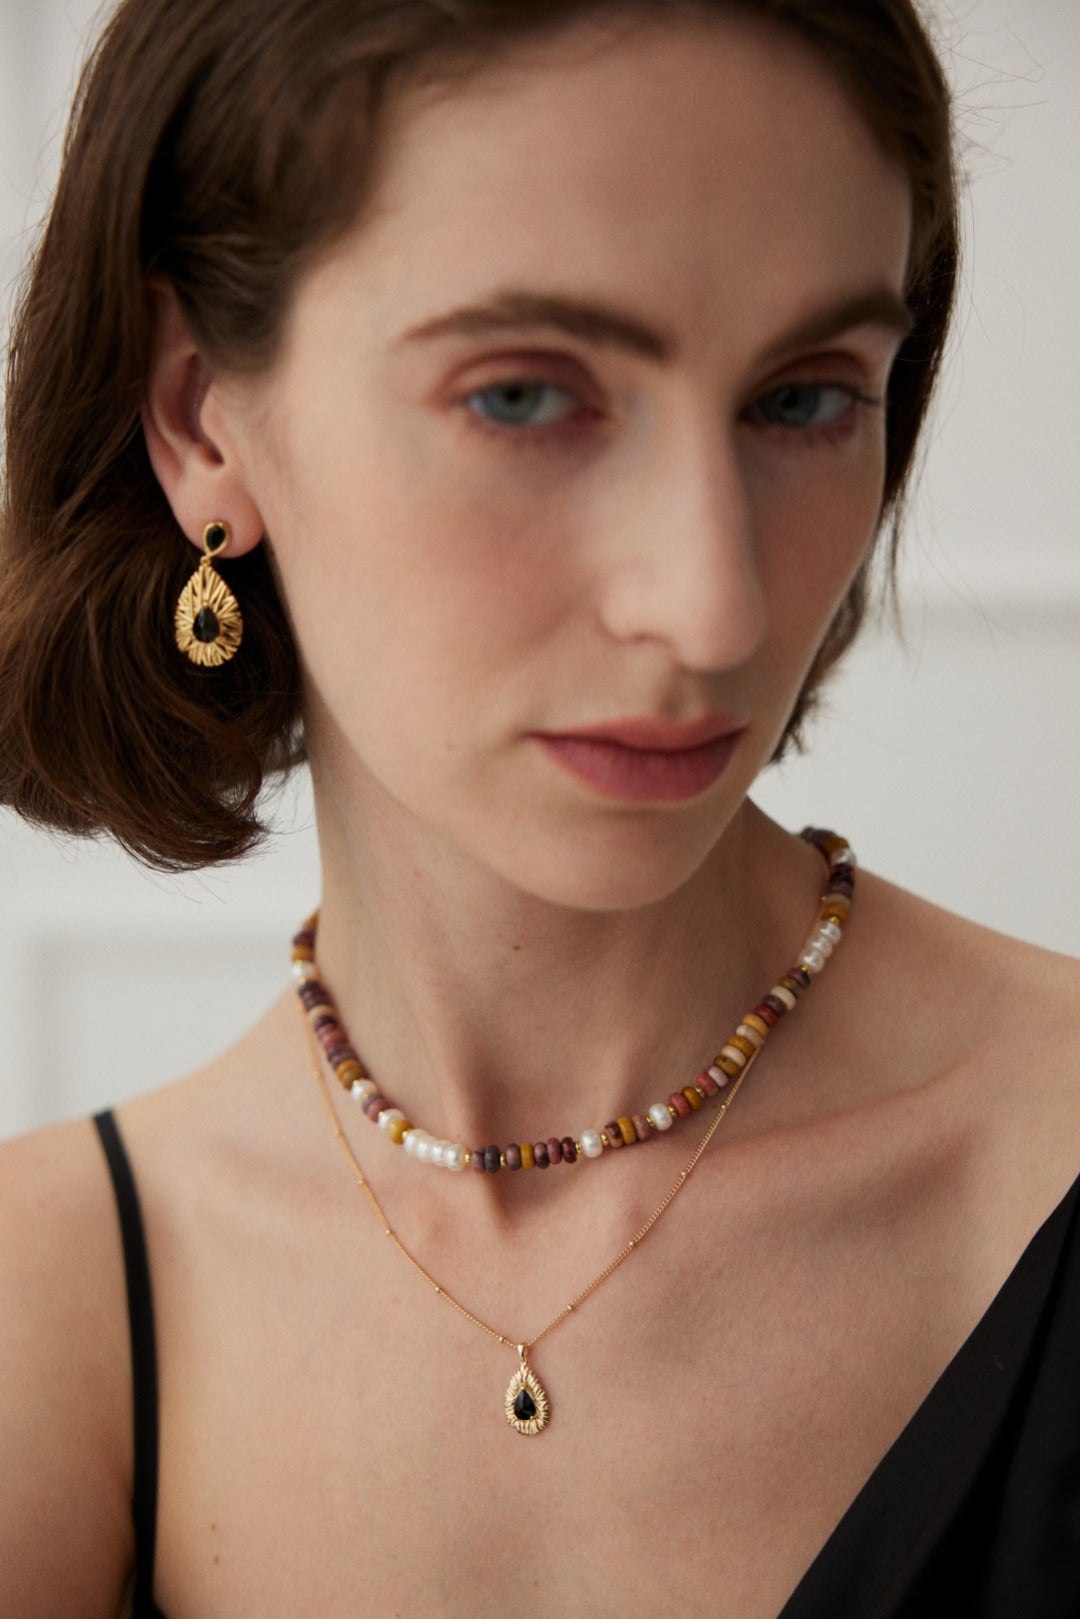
(225, 144)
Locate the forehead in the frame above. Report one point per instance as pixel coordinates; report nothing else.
(703, 162)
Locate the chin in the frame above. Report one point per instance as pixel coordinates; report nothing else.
(619, 864)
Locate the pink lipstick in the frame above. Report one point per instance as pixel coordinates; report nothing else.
(643, 760)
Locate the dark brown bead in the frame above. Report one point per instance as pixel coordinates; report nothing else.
(569, 1150)
(540, 1155)
(492, 1159)
(614, 1135)
(775, 1004)
(476, 1160)
(512, 1154)
(555, 1152)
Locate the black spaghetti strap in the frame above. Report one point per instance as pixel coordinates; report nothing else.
(143, 1363)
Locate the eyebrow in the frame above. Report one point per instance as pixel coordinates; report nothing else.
(605, 326)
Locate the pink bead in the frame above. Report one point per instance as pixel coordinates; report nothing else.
(555, 1152)
(705, 1082)
(682, 1107)
(641, 1125)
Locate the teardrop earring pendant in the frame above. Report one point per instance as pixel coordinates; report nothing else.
(209, 625)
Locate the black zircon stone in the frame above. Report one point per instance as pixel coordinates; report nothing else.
(206, 626)
(524, 1406)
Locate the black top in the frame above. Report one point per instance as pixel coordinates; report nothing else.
(974, 1511)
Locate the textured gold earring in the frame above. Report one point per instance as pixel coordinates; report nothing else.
(209, 627)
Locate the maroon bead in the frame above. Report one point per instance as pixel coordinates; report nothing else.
(641, 1126)
(512, 1154)
(492, 1159)
(336, 1055)
(614, 1134)
(312, 993)
(705, 1082)
(766, 1014)
(376, 1104)
(476, 1160)
(554, 1148)
(775, 1004)
(682, 1107)
(540, 1155)
(802, 975)
(325, 1020)
(569, 1150)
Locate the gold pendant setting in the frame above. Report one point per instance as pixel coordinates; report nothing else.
(209, 626)
(527, 1406)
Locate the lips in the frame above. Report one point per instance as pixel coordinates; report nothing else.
(638, 760)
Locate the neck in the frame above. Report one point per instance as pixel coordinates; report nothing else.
(489, 1015)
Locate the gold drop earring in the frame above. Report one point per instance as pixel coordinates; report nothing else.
(209, 626)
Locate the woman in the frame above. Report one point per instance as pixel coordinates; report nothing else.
(519, 390)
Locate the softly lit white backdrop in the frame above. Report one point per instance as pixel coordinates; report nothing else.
(949, 758)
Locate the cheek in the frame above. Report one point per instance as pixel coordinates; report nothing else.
(816, 529)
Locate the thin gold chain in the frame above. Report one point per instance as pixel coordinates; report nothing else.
(586, 1292)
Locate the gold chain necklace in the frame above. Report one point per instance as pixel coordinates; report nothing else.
(527, 1405)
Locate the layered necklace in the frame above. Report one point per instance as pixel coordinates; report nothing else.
(527, 1404)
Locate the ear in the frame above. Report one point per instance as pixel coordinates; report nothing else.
(201, 478)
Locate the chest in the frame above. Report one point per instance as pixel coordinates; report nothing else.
(714, 1409)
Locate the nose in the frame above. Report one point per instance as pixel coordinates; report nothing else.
(681, 566)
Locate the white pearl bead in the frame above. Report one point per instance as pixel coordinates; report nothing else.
(388, 1115)
(424, 1148)
(660, 1114)
(453, 1156)
(361, 1089)
(812, 960)
(410, 1141)
(437, 1150)
(303, 970)
(820, 942)
(591, 1145)
(830, 931)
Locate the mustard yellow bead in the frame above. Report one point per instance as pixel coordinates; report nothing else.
(838, 909)
(731, 1069)
(693, 1095)
(626, 1130)
(758, 1023)
(527, 1159)
(742, 1045)
(348, 1071)
(396, 1130)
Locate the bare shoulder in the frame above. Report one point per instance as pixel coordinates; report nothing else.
(65, 1417)
(997, 1018)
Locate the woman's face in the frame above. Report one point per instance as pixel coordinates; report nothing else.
(583, 425)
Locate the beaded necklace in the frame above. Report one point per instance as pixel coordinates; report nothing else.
(527, 1405)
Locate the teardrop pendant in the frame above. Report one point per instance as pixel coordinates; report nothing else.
(209, 627)
(527, 1404)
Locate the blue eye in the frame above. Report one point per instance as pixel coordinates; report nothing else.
(521, 404)
(806, 404)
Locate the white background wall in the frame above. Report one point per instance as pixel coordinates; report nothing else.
(952, 762)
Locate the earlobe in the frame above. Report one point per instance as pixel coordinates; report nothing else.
(200, 476)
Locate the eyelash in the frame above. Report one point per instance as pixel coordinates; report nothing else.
(546, 433)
